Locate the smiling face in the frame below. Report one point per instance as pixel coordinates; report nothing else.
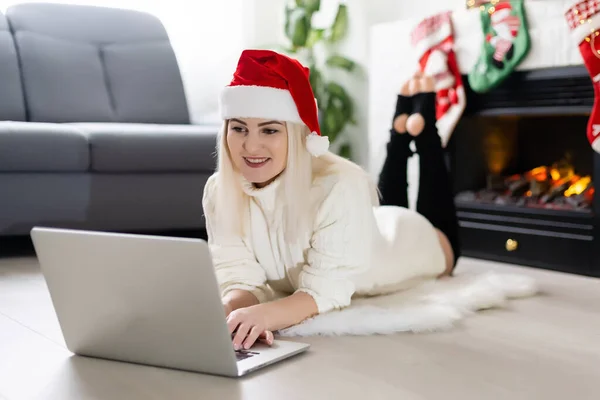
(258, 148)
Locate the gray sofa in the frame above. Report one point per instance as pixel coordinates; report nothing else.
(94, 124)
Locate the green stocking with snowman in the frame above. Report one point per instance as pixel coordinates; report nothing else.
(506, 43)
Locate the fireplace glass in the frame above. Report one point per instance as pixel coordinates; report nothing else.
(540, 162)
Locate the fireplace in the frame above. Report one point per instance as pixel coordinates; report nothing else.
(524, 174)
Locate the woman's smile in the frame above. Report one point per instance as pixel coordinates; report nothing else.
(256, 162)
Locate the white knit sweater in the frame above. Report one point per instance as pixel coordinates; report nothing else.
(354, 249)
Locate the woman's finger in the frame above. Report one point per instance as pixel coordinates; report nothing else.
(232, 322)
(252, 336)
(267, 337)
(240, 336)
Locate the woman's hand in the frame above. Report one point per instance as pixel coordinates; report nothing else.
(249, 324)
(257, 321)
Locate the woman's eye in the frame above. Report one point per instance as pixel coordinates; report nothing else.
(270, 131)
(237, 129)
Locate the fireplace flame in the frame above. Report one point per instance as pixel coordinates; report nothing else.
(553, 174)
(589, 195)
(578, 187)
(539, 174)
(556, 175)
(554, 186)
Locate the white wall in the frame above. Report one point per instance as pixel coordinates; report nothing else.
(207, 41)
(392, 10)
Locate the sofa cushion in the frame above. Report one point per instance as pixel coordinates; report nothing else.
(145, 83)
(55, 95)
(12, 104)
(75, 69)
(142, 148)
(42, 147)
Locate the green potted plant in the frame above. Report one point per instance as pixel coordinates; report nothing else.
(316, 48)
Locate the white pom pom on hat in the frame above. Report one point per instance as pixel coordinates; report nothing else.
(316, 144)
(270, 85)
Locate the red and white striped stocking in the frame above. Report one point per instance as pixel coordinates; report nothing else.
(433, 40)
(583, 17)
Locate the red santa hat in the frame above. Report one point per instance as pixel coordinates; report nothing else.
(270, 85)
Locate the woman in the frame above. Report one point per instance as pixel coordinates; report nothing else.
(295, 230)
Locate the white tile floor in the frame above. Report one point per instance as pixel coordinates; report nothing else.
(546, 347)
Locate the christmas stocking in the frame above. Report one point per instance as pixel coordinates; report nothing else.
(433, 40)
(583, 18)
(506, 43)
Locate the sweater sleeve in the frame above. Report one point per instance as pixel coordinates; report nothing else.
(235, 265)
(340, 245)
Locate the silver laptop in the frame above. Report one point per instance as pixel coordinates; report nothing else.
(144, 299)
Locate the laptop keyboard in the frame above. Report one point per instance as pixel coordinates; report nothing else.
(244, 354)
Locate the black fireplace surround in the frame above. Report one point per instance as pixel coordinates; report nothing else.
(533, 119)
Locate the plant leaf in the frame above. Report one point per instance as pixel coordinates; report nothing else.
(317, 84)
(340, 24)
(312, 6)
(288, 12)
(339, 95)
(337, 61)
(346, 151)
(314, 36)
(334, 120)
(298, 27)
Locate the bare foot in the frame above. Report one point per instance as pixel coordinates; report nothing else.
(427, 84)
(400, 123)
(415, 85)
(400, 120)
(415, 123)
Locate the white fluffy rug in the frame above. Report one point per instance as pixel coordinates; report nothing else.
(432, 306)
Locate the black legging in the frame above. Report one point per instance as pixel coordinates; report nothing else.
(435, 200)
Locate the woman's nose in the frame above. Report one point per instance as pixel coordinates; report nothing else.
(252, 142)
